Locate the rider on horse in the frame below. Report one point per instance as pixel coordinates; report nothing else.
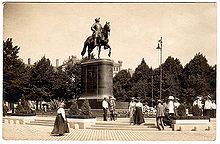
(97, 31)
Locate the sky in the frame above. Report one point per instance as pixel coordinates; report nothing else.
(58, 31)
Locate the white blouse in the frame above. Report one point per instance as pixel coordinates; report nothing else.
(171, 107)
(139, 104)
(105, 104)
(62, 112)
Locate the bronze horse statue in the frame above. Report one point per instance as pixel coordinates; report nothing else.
(103, 41)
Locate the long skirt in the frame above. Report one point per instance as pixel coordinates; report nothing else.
(139, 118)
(60, 126)
(132, 115)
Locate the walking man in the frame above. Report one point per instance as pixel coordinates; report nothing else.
(207, 106)
(160, 115)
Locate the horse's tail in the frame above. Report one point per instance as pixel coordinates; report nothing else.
(84, 47)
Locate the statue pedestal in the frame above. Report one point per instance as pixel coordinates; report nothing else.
(97, 81)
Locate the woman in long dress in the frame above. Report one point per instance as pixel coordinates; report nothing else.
(131, 110)
(139, 118)
(60, 124)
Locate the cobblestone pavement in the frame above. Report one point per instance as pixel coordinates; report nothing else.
(33, 132)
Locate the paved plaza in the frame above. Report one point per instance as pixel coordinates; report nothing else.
(35, 132)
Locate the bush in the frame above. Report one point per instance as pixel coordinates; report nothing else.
(196, 111)
(23, 107)
(181, 110)
(84, 112)
(74, 109)
(86, 109)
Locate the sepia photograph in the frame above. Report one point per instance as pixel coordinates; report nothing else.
(109, 71)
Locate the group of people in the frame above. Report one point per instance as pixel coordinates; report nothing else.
(206, 105)
(109, 105)
(165, 112)
(136, 112)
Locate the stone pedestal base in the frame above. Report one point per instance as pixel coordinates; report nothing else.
(97, 81)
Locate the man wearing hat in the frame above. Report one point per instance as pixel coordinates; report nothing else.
(97, 29)
(198, 102)
(171, 105)
(105, 108)
(213, 109)
(176, 105)
(112, 108)
(160, 115)
(207, 106)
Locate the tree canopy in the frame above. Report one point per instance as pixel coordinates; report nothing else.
(14, 72)
(42, 81)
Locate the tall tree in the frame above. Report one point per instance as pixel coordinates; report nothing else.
(172, 70)
(73, 72)
(60, 86)
(141, 81)
(212, 81)
(142, 89)
(121, 85)
(41, 80)
(196, 74)
(14, 72)
(142, 72)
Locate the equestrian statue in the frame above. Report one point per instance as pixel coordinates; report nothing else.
(99, 38)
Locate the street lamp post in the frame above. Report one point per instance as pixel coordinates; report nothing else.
(159, 46)
(152, 89)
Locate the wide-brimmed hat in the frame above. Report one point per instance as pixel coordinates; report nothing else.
(159, 101)
(171, 97)
(97, 19)
(61, 104)
(199, 97)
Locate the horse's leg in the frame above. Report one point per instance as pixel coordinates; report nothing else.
(89, 51)
(108, 46)
(84, 49)
(99, 51)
